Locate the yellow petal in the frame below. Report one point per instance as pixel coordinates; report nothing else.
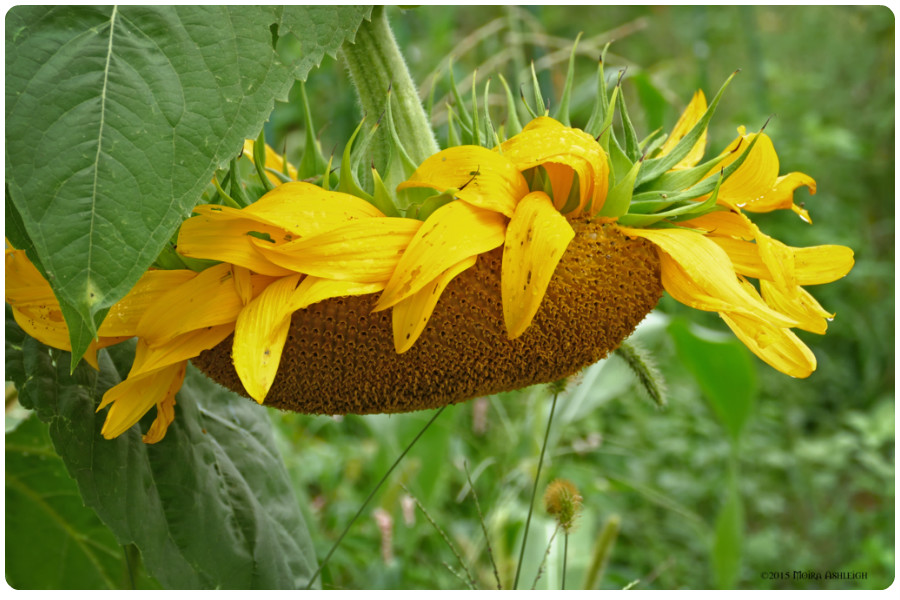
(305, 209)
(822, 264)
(690, 117)
(547, 141)
(24, 283)
(799, 305)
(315, 289)
(124, 316)
(132, 398)
(451, 234)
(484, 178)
(165, 414)
(724, 223)
(698, 273)
(259, 336)
(223, 233)
(755, 177)
(182, 347)
(778, 347)
(207, 300)
(410, 315)
(781, 195)
(536, 238)
(366, 250)
(561, 178)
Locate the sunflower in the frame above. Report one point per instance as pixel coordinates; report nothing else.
(528, 261)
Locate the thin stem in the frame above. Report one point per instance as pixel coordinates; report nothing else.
(371, 495)
(487, 539)
(537, 477)
(565, 558)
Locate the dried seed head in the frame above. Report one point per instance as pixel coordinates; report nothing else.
(563, 501)
(339, 356)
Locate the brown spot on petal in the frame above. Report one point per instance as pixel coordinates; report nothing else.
(339, 356)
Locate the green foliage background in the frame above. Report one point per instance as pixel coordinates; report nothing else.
(798, 476)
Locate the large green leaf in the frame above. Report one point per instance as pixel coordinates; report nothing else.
(52, 540)
(724, 370)
(209, 506)
(320, 30)
(117, 117)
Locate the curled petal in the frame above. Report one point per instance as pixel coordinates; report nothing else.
(410, 315)
(314, 289)
(547, 141)
(690, 117)
(536, 238)
(451, 234)
(781, 195)
(132, 398)
(124, 316)
(366, 250)
(797, 304)
(756, 175)
(182, 347)
(483, 178)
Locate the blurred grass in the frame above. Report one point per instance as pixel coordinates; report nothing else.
(816, 456)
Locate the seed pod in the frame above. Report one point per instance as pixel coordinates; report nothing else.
(339, 357)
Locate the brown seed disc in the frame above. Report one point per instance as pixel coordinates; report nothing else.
(339, 357)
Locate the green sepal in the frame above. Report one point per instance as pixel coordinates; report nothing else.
(382, 198)
(432, 203)
(360, 151)
(326, 177)
(686, 211)
(562, 112)
(618, 198)
(347, 182)
(238, 196)
(655, 167)
(606, 129)
(652, 142)
(513, 126)
(259, 160)
(531, 113)
(632, 147)
(666, 199)
(452, 136)
(492, 138)
(465, 120)
(169, 259)
(406, 163)
(312, 164)
(540, 108)
(223, 195)
(598, 114)
(683, 179)
(619, 163)
(476, 129)
(574, 196)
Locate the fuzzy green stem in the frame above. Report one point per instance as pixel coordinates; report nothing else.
(376, 66)
(537, 477)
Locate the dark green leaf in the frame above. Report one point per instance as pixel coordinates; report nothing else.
(116, 118)
(321, 30)
(54, 541)
(209, 506)
(724, 370)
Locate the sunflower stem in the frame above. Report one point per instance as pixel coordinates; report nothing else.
(537, 477)
(365, 503)
(376, 66)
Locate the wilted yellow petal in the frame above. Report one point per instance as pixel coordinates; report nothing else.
(132, 398)
(756, 175)
(259, 336)
(536, 238)
(484, 178)
(223, 233)
(545, 140)
(698, 273)
(410, 315)
(778, 347)
(366, 250)
(724, 223)
(305, 209)
(690, 117)
(207, 300)
(182, 347)
(822, 264)
(124, 316)
(451, 234)
(315, 289)
(24, 283)
(165, 414)
(799, 305)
